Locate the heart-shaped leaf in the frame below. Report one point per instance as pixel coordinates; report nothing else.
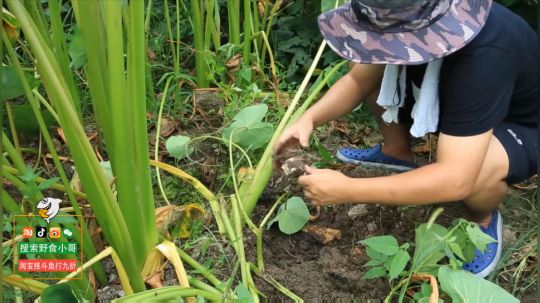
(177, 146)
(77, 50)
(247, 128)
(291, 216)
(463, 286)
(12, 85)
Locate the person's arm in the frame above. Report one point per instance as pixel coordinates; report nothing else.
(340, 99)
(451, 178)
(346, 93)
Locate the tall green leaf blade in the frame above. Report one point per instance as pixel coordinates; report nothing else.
(139, 211)
(97, 189)
(463, 286)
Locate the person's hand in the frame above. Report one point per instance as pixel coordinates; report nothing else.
(294, 136)
(324, 186)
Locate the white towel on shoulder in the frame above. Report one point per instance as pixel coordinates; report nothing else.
(425, 111)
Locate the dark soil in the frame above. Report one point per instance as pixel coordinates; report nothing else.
(331, 272)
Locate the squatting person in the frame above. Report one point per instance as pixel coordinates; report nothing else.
(465, 69)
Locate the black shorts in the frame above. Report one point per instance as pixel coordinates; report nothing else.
(521, 145)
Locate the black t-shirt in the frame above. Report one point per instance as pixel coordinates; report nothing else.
(491, 79)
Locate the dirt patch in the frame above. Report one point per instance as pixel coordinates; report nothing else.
(334, 271)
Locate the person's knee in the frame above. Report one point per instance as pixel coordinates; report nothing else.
(487, 196)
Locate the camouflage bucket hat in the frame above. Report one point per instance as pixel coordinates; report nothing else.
(402, 31)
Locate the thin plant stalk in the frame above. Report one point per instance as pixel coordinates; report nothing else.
(200, 63)
(158, 135)
(58, 39)
(211, 33)
(233, 13)
(248, 30)
(204, 271)
(276, 284)
(172, 39)
(12, 128)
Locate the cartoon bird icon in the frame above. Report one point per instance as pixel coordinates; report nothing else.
(48, 208)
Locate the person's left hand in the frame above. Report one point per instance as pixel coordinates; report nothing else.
(324, 186)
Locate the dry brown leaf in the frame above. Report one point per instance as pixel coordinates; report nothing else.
(154, 280)
(171, 216)
(324, 235)
(234, 62)
(168, 126)
(150, 54)
(60, 133)
(357, 251)
(434, 297)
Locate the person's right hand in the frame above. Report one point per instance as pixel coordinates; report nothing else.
(294, 136)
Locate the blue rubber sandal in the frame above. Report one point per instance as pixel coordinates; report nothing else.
(484, 263)
(373, 157)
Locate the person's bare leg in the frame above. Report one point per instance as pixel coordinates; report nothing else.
(396, 136)
(490, 188)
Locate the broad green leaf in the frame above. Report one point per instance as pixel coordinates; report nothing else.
(291, 216)
(456, 250)
(11, 85)
(251, 115)
(21, 112)
(76, 49)
(463, 286)
(247, 128)
(373, 263)
(58, 293)
(48, 183)
(373, 254)
(177, 146)
(375, 272)
(429, 248)
(469, 251)
(242, 294)
(398, 263)
(386, 245)
(327, 5)
(478, 237)
(253, 137)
